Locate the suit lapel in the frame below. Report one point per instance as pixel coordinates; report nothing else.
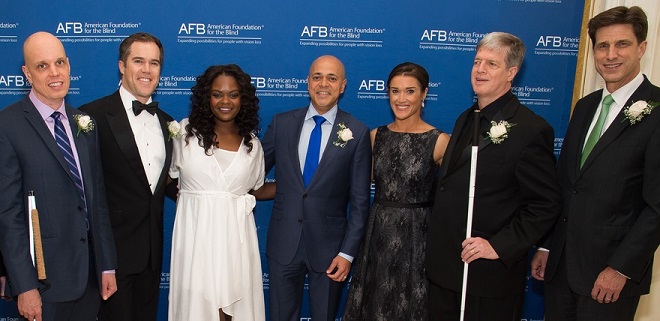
(168, 148)
(82, 146)
(458, 126)
(294, 139)
(615, 129)
(506, 113)
(123, 134)
(331, 150)
(34, 118)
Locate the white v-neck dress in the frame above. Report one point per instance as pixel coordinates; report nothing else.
(215, 253)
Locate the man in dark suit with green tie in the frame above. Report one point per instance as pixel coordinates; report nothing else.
(601, 250)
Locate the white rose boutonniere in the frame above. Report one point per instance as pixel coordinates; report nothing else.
(635, 112)
(344, 134)
(499, 131)
(84, 122)
(174, 128)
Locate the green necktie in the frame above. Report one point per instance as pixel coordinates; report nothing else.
(597, 130)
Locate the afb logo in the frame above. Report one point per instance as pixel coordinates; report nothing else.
(192, 28)
(434, 35)
(66, 27)
(311, 31)
(371, 84)
(549, 41)
(12, 80)
(258, 82)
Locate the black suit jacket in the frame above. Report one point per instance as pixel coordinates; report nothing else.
(516, 202)
(3, 272)
(135, 212)
(32, 161)
(611, 214)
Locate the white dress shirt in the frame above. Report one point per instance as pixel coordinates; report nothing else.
(306, 132)
(148, 137)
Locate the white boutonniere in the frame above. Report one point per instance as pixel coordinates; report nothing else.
(344, 134)
(635, 112)
(498, 132)
(84, 122)
(174, 128)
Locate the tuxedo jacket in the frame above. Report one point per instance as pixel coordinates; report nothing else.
(32, 161)
(611, 214)
(317, 214)
(135, 212)
(516, 203)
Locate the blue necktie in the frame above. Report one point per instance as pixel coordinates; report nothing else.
(313, 151)
(62, 140)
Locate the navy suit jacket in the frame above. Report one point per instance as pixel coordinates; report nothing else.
(611, 214)
(135, 212)
(31, 161)
(317, 215)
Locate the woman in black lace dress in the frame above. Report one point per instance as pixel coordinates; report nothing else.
(389, 281)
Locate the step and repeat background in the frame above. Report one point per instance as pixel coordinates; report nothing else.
(276, 41)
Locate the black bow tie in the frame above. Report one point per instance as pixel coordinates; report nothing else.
(138, 107)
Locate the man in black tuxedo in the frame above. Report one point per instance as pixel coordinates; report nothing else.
(51, 149)
(516, 198)
(136, 151)
(601, 249)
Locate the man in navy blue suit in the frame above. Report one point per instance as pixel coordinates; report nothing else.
(50, 148)
(310, 231)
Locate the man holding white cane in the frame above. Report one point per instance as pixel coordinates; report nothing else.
(516, 198)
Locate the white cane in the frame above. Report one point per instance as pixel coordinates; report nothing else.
(32, 205)
(471, 187)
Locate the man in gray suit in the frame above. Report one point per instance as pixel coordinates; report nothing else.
(601, 250)
(50, 148)
(323, 158)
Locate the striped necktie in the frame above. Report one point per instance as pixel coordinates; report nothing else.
(62, 140)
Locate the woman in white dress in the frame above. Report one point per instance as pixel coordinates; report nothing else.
(215, 272)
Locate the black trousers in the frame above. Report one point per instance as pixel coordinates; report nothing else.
(562, 304)
(445, 305)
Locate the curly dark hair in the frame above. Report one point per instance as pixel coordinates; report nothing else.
(201, 119)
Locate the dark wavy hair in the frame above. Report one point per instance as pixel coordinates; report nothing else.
(201, 119)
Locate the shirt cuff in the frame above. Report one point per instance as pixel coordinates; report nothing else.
(625, 276)
(109, 272)
(542, 249)
(346, 256)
